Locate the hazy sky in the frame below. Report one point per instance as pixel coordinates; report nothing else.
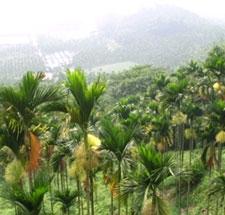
(35, 16)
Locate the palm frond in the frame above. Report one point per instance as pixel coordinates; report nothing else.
(115, 138)
(217, 187)
(28, 201)
(66, 198)
(85, 95)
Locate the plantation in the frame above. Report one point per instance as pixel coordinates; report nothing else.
(143, 141)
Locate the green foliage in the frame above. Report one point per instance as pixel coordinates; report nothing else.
(28, 201)
(215, 61)
(145, 181)
(21, 102)
(66, 198)
(85, 96)
(115, 138)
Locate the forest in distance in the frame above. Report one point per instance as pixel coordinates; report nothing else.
(144, 141)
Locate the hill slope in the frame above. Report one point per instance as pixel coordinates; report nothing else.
(164, 36)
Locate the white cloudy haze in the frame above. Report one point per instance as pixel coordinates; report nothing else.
(37, 16)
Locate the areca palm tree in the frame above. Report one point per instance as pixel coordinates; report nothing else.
(22, 105)
(145, 183)
(82, 99)
(161, 131)
(85, 97)
(116, 140)
(66, 198)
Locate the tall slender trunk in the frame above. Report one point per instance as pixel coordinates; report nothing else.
(191, 146)
(119, 179)
(66, 176)
(61, 177)
(153, 206)
(180, 166)
(50, 185)
(92, 192)
(57, 180)
(111, 194)
(88, 172)
(79, 192)
(220, 152)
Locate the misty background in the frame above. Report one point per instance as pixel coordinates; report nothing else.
(105, 36)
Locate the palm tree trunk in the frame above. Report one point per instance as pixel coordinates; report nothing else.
(87, 171)
(92, 192)
(61, 179)
(189, 182)
(153, 206)
(66, 176)
(57, 180)
(119, 179)
(50, 186)
(220, 150)
(191, 146)
(180, 166)
(96, 193)
(79, 192)
(111, 195)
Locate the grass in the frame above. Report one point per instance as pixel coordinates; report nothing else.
(198, 201)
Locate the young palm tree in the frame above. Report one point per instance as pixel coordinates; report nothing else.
(66, 198)
(145, 182)
(116, 140)
(28, 201)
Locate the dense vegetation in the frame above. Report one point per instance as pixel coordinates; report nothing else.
(144, 141)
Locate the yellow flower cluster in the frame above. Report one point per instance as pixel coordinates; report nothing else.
(179, 118)
(220, 137)
(83, 161)
(77, 168)
(219, 88)
(93, 141)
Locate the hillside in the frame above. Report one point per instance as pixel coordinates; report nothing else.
(164, 36)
